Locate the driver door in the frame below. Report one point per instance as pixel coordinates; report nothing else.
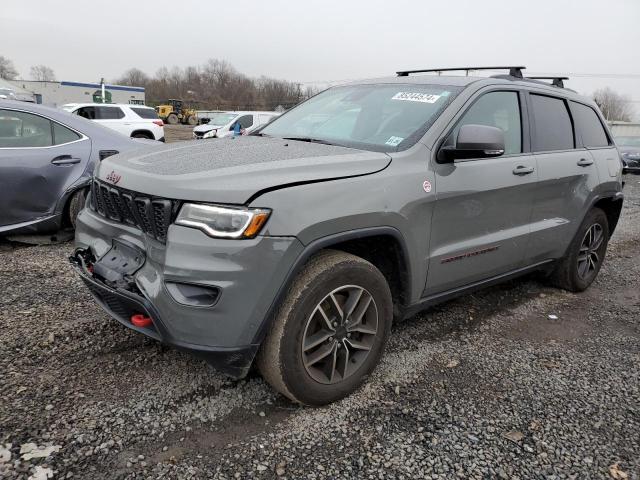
(480, 226)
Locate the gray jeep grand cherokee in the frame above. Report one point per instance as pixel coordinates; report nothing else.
(300, 245)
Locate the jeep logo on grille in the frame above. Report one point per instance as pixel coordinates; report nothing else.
(113, 177)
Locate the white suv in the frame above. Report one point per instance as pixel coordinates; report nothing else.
(136, 121)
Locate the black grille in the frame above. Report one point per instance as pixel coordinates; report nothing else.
(152, 215)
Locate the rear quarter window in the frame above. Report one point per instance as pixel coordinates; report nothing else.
(589, 126)
(553, 128)
(147, 113)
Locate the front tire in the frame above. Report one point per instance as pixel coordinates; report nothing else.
(584, 258)
(76, 203)
(330, 331)
(172, 119)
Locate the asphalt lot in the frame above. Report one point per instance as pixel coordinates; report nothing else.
(485, 386)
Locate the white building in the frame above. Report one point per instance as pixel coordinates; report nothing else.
(56, 94)
(624, 129)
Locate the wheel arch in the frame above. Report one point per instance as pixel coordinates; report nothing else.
(145, 132)
(384, 247)
(612, 207)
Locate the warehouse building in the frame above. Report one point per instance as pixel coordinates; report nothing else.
(56, 94)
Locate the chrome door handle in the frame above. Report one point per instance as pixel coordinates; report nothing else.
(583, 162)
(65, 160)
(522, 170)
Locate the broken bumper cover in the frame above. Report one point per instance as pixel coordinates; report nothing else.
(122, 305)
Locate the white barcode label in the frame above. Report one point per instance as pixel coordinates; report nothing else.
(416, 97)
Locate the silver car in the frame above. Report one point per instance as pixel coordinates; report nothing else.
(47, 157)
(299, 245)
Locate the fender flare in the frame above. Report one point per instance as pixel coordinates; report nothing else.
(614, 197)
(323, 243)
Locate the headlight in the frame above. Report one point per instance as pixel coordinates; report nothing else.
(223, 222)
(210, 134)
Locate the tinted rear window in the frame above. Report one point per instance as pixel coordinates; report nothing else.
(553, 129)
(588, 125)
(149, 113)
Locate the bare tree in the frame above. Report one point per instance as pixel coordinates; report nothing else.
(216, 84)
(42, 73)
(613, 105)
(7, 70)
(133, 77)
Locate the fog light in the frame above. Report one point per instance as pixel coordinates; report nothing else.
(193, 295)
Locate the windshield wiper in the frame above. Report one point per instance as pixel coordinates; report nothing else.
(309, 140)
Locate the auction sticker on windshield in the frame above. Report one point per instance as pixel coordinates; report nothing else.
(416, 97)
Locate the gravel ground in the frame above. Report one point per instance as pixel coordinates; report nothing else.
(486, 386)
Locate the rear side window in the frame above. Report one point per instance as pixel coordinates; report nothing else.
(148, 113)
(24, 130)
(62, 134)
(553, 129)
(496, 109)
(109, 113)
(588, 125)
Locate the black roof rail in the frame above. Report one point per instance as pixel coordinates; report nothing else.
(513, 70)
(555, 81)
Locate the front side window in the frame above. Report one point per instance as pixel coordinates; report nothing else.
(496, 109)
(24, 130)
(109, 113)
(553, 129)
(245, 121)
(87, 112)
(589, 126)
(379, 117)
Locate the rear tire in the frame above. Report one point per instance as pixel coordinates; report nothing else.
(172, 119)
(585, 255)
(192, 120)
(340, 304)
(76, 204)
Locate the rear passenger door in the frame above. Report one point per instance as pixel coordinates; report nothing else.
(480, 224)
(591, 134)
(114, 118)
(567, 176)
(39, 160)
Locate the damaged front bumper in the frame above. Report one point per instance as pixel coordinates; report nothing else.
(170, 280)
(123, 305)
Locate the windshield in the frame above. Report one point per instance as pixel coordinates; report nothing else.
(628, 141)
(383, 117)
(222, 119)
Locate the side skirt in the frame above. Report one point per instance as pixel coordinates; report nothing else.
(441, 297)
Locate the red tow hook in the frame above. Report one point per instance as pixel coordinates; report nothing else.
(139, 320)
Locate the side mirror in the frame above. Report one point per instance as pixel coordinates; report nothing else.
(474, 141)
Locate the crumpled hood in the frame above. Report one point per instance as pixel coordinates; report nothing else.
(233, 171)
(206, 127)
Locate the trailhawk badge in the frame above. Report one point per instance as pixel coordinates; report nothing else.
(113, 177)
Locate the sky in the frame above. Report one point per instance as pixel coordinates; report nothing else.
(319, 42)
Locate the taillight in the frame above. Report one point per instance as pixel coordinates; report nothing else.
(107, 153)
(159, 122)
